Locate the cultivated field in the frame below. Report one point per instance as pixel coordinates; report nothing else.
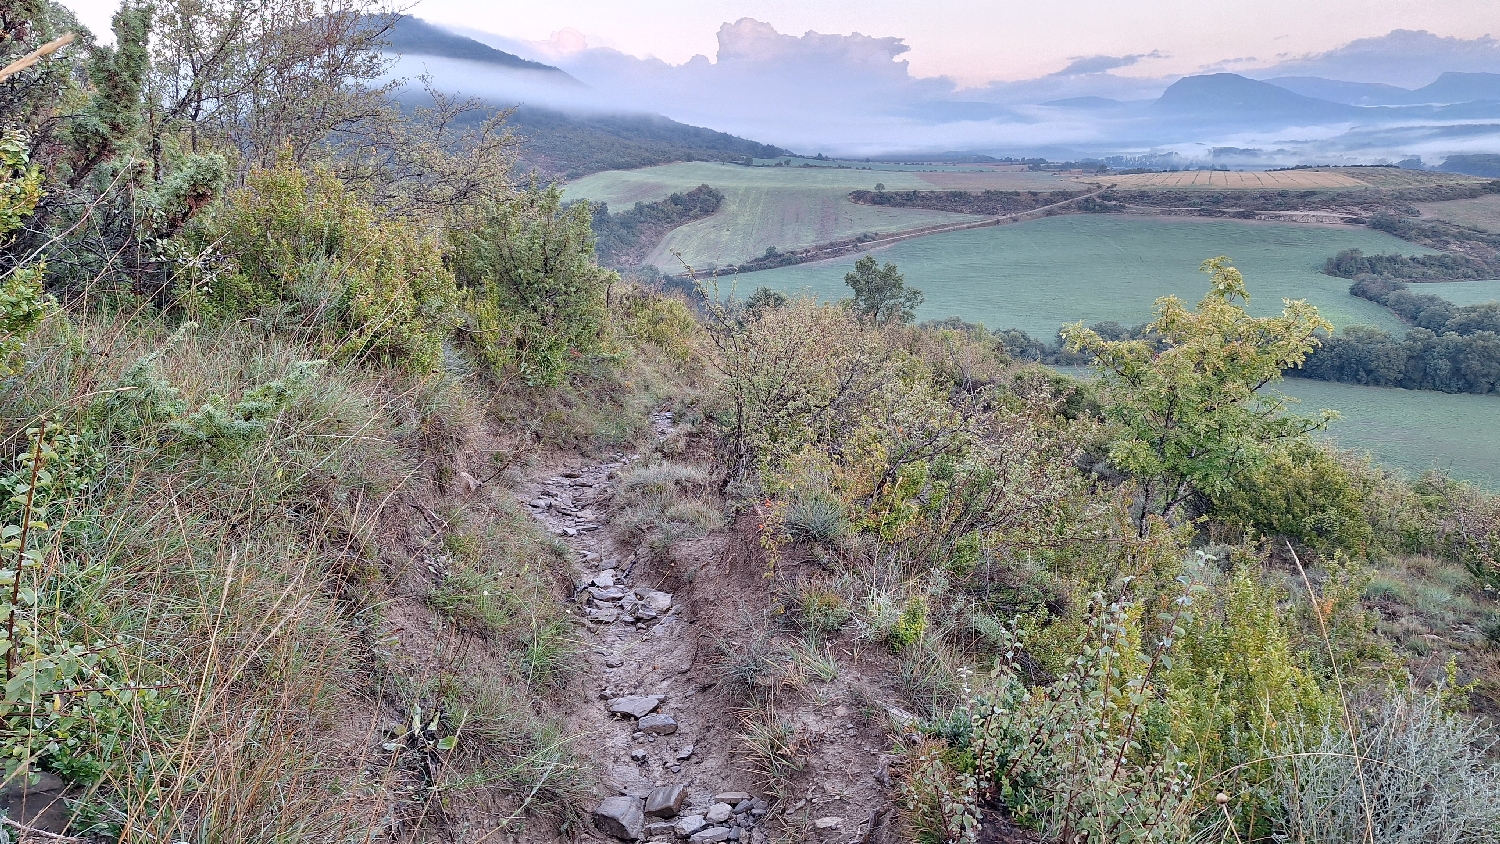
(1041, 274)
(1462, 292)
(1322, 178)
(1222, 180)
(1410, 430)
(1483, 212)
(786, 207)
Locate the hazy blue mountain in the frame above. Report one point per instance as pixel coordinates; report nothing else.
(1473, 165)
(1231, 98)
(1402, 57)
(1347, 93)
(1084, 102)
(1455, 87)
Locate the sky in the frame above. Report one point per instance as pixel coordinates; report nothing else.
(973, 41)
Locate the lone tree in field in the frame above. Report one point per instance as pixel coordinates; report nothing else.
(881, 296)
(1185, 403)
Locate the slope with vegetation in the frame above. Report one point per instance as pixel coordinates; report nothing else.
(312, 418)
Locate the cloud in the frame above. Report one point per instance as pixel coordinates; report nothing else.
(1081, 65)
(1404, 57)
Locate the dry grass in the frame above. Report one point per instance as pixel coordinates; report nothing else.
(297, 603)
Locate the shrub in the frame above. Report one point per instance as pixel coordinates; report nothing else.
(822, 612)
(1076, 760)
(1413, 774)
(1302, 491)
(660, 321)
(303, 243)
(536, 296)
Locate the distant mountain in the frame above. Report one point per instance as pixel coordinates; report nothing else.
(1231, 98)
(1472, 165)
(1347, 93)
(1460, 88)
(414, 36)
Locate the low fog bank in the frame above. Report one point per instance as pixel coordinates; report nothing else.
(1406, 96)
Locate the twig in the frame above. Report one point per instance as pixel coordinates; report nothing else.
(27, 831)
(35, 56)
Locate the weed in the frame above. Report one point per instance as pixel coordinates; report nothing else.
(772, 748)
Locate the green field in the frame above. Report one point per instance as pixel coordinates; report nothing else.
(1462, 292)
(786, 207)
(1411, 430)
(1041, 274)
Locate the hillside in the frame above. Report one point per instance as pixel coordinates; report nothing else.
(349, 498)
(414, 36)
(571, 145)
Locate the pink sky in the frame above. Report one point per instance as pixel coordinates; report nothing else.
(974, 41)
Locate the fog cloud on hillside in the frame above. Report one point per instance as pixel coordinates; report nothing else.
(854, 95)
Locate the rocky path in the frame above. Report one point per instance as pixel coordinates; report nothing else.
(664, 750)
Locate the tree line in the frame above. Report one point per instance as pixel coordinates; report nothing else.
(623, 239)
(1450, 348)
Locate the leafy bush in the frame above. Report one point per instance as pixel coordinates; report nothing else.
(301, 242)
(536, 297)
(1077, 760)
(1302, 490)
(822, 612)
(662, 322)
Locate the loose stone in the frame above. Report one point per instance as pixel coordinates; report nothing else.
(659, 724)
(664, 802)
(635, 706)
(689, 824)
(719, 812)
(621, 817)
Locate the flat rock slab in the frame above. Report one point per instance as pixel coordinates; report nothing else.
(636, 706)
(829, 822)
(659, 601)
(657, 724)
(712, 834)
(731, 797)
(621, 817)
(665, 801)
(689, 824)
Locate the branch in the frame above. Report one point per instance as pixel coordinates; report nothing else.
(35, 56)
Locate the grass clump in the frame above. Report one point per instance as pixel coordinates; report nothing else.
(662, 502)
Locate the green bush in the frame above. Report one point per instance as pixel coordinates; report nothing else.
(1303, 491)
(537, 302)
(302, 243)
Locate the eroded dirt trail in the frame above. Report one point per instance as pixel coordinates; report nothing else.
(646, 700)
